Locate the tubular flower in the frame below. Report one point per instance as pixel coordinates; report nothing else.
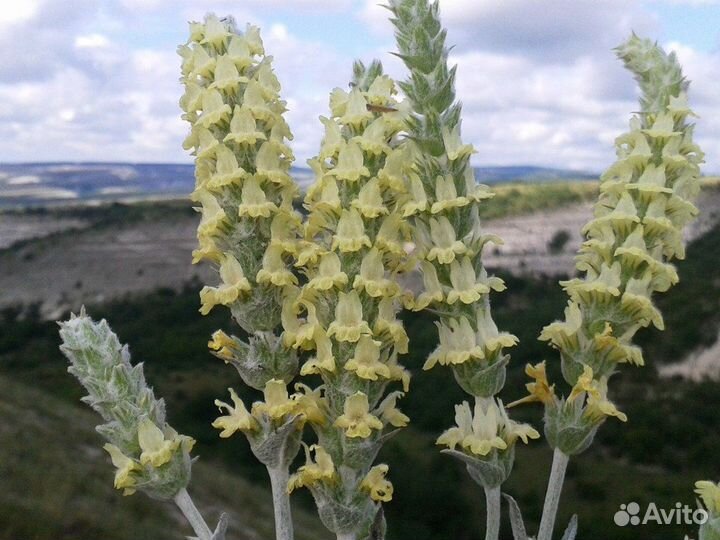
(375, 483)
(356, 419)
(321, 469)
(277, 403)
(636, 230)
(124, 478)
(238, 419)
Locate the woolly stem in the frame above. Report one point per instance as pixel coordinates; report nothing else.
(552, 496)
(346, 536)
(281, 502)
(192, 514)
(492, 496)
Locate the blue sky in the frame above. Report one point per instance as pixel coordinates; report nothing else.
(91, 80)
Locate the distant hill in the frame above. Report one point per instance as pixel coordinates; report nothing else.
(36, 184)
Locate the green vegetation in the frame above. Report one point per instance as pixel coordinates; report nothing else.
(41, 399)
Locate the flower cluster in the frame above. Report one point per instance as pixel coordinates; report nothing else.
(249, 227)
(345, 313)
(149, 455)
(442, 204)
(644, 204)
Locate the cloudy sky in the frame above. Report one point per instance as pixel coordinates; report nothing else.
(97, 80)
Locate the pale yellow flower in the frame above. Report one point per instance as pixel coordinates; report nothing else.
(329, 273)
(376, 485)
(372, 278)
(125, 466)
(156, 450)
(277, 403)
(322, 469)
(349, 324)
(356, 419)
(446, 246)
(350, 233)
(366, 363)
(274, 269)
(238, 419)
(254, 201)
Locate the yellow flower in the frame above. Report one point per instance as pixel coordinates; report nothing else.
(203, 64)
(324, 360)
(212, 213)
(333, 141)
(215, 32)
(540, 390)
(239, 52)
(350, 235)
(584, 384)
(243, 128)
(254, 202)
(215, 110)
(709, 492)
(206, 144)
(389, 236)
(376, 485)
(446, 195)
(381, 91)
(234, 283)
(389, 413)
(392, 175)
(454, 147)
(156, 450)
(416, 199)
(356, 113)
(238, 419)
(223, 344)
(348, 324)
(310, 329)
(372, 278)
(329, 199)
(329, 273)
(310, 403)
(283, 232)
(457, 344)
(125, 466)
(366, 362)
(386, 322)
(478, 434)
(511, 431)
(465, 287)
(274, 270)
(322, 469)
(267, 163)
(370, 202)
(432, 290)
(206, 250)
(277, 403)
(598, 407)
(252, 37)
(226, 78)
(374, 137)
(398, 373)
(254, 100)
(445, 243)
(487, 334)
(356, 419)
(662, 127)
(350, 165)
(338, 102)
(227, 170)
(564, 334)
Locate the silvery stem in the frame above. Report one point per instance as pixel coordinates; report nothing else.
(492, 496)
(346, 536)
(192, 514)
(281, 502)
(552, 497)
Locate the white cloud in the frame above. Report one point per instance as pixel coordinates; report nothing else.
(16, 12)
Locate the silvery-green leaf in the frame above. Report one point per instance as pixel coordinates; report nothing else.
(571, 530)
(516, 520)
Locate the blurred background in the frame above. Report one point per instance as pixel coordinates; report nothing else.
(94, 211)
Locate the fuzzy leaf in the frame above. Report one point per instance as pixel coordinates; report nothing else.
(516, 519)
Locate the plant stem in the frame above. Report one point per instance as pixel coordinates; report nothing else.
(492, 496)
(552, 497)
(346, 536)
(281, 502)
(192, 514)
